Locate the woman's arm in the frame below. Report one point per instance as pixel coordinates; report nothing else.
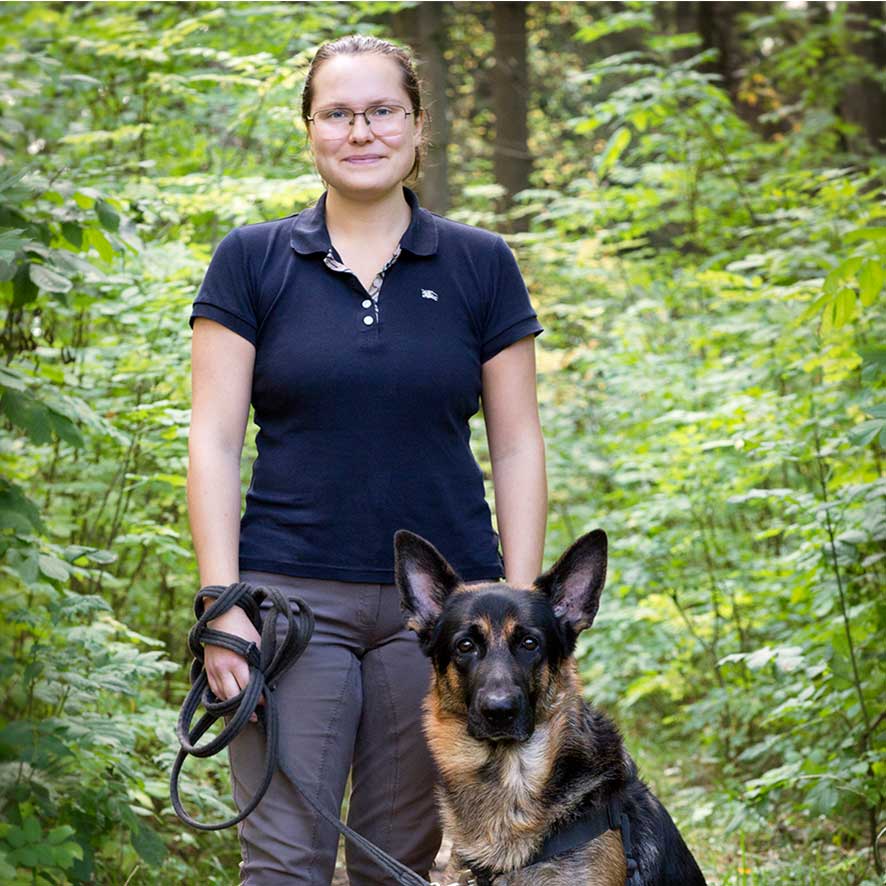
(517, 451)
(221, 385)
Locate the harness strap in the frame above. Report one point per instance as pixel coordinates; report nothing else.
(267, 665)
(593, 822)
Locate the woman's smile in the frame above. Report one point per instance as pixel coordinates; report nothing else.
(364, 159)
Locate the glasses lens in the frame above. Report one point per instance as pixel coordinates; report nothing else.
(333, 122)
(386, 119)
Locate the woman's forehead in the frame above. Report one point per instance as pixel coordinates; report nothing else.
(367, 78)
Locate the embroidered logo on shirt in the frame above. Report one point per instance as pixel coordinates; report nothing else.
(429, 293)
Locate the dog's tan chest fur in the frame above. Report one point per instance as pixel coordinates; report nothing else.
(497, 822)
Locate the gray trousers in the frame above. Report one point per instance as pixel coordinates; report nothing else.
(351, 703)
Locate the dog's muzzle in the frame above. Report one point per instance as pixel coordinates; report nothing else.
(500, 716)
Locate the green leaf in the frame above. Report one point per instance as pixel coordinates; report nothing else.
(31, 829)
(48, 279)
(27, 857)
(73, 233)
(27, 414)
(844, 307)
(65, 855)
(9, 378)
(875, 234)
(814, 308)
(65, 429)
(86, 197)
(107, 215)
(148, 845)
(101, 244)
(865, 431)
(613, 24)
(23, 289)
(7, 871)
(15, 837)
(171, 479)
(17, 511)
(615, 147)
(59, 834)
(52, 567)
(10, 243)
(870, 281)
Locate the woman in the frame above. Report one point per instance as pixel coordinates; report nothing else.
(363, 330)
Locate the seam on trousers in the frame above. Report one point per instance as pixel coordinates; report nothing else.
(396, 742)
(244, 852)
(315, 836)
(237, 788)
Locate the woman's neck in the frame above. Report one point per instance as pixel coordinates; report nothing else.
(383, 219)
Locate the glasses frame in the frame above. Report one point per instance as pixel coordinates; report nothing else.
(354, 114)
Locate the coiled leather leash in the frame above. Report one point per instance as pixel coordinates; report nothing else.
(266, 666)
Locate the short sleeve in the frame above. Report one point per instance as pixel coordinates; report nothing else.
(509, 313)
(227, 293)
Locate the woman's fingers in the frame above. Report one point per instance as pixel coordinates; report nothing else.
(230, 685)
(227, 674)
(240, 675)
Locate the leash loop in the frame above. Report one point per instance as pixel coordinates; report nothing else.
(267, 664)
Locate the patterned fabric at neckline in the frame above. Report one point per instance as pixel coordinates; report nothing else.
(334, 264)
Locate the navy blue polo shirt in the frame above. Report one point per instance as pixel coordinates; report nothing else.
(363, 407)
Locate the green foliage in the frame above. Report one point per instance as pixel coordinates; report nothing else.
(713, 397)
(711, 382)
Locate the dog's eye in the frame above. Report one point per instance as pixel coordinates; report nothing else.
(465, 646)
(530, 643)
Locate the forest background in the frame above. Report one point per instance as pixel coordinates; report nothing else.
(694, 192)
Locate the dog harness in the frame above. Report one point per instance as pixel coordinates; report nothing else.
(590, 824)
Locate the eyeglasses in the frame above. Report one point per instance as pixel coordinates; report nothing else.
(381, 119)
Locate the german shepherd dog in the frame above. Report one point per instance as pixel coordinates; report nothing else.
(536, 786)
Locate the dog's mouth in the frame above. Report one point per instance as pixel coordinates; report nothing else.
(482, 730)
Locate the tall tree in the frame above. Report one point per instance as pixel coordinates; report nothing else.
(510, 94)
(716, 25)
(864, 99)
(423, 27)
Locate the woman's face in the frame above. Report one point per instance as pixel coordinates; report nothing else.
(359, 163)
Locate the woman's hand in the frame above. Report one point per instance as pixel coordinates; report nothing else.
(227, 671)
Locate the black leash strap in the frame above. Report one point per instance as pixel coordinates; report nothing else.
(266, 666)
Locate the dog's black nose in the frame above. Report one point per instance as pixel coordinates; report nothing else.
(500, 709)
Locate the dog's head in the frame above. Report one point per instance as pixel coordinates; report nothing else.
(496, 648)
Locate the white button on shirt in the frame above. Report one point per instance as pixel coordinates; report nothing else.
(372, 302)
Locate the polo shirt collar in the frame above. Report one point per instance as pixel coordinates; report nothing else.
(309, 233)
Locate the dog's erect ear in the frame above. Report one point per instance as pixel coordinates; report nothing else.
(424, 578)
(574, 583)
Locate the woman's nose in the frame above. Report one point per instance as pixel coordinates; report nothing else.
(361, 131)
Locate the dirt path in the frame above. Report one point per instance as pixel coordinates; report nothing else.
(341, 877)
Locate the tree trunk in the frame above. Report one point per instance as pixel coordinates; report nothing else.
(510, 97)
(864, 101)
(423, 28)
(716, 25)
